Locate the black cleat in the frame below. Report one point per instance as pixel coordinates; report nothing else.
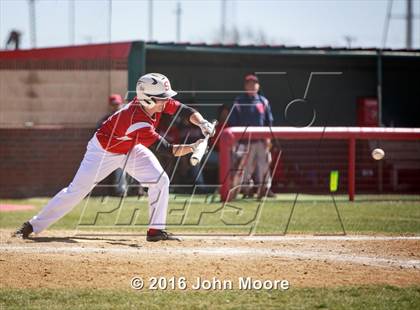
(24, 231)
(161, 235)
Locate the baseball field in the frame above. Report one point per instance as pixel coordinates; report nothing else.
(290, 252)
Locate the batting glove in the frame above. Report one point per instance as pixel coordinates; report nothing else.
(207, 128)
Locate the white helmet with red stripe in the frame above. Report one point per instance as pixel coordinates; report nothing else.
(153, 85)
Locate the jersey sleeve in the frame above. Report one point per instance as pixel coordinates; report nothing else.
(161, 146)
(172, 107)
(142, 133)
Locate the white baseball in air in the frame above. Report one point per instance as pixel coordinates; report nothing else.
(378, 154)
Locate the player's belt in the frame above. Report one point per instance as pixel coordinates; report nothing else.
(125, 138)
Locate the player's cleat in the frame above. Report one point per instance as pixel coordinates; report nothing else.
(24, 231)
(265, 194)
(154, 235)
(271, 194)
(248, 192)
(248, 195)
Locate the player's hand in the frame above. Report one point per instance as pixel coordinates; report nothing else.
(196, 144)
(207, 128)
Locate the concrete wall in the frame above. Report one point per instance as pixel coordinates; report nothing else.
(64, 97)
(39, 162)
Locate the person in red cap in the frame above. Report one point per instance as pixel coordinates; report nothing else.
(253, 109)
(116, 99)
(115, 102)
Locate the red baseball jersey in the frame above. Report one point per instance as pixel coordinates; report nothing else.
(130, 126)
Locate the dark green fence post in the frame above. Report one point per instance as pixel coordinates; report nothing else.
(136, 66)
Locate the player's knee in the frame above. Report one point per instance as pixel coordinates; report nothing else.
(164, 180)
(161, 181)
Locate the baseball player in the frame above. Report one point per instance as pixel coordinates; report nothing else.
(128, 140)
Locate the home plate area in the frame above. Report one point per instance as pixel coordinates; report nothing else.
(62, 259)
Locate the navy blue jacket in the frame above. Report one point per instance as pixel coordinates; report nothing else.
(251, 111)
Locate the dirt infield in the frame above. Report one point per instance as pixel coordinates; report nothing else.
(58, 259)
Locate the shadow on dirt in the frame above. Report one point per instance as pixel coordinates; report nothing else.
(83, 240)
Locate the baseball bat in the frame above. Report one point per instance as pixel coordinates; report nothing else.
(200, 151)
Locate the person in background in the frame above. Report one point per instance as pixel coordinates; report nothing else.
(14, 40)
(222, 116)
(252, 109)
(115, 102)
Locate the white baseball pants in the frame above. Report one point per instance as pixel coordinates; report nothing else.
(96, 165)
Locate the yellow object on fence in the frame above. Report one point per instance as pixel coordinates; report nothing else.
(333, 181)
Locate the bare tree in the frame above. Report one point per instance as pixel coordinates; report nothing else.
(243, 36)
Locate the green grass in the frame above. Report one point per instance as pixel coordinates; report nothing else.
(370, 297)
(312, 214)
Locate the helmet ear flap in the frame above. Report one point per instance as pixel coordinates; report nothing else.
(147, 103)
(144, 100)
(140, 89)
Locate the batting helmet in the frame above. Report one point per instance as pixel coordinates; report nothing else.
(153, 85)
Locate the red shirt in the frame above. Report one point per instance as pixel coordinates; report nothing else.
(130, 126)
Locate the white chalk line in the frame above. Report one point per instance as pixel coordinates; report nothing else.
(302, 238)
(224, 251)
(269, 237)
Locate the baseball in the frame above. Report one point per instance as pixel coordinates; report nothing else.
(378, 154)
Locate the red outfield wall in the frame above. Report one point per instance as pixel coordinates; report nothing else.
(41, 161)
(322, 158)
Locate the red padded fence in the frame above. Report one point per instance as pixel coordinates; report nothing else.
(350, 136)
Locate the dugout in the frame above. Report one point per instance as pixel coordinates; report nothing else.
(200, 70)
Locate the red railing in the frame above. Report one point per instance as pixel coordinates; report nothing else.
(230, 136)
